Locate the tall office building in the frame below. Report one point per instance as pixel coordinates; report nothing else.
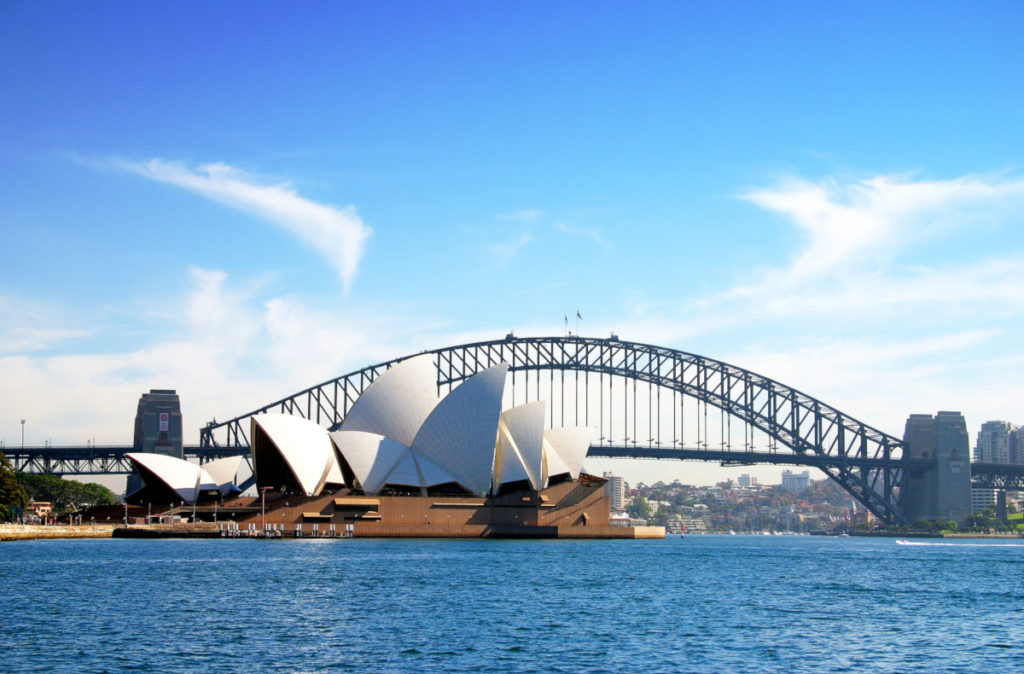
(994, 442)
(1016, 446)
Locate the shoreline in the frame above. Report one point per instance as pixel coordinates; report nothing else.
(29, 532)
(928, 534)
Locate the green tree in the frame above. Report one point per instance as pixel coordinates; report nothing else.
(984, 520)
(65, 495)
(12, 494)
(639, 508)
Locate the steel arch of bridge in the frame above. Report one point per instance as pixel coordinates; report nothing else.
(863, 460)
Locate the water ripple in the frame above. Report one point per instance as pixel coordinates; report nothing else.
(741, 604)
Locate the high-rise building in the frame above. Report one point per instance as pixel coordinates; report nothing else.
(994, 442)
(616, 491)
(943, 490)
(746, 481)
(1017, 446)
(795, 481)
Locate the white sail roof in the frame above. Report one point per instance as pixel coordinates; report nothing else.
(553, 464)
(334, 474)
(223, 472)
(376, 461)
(463, 437)
(508, 465)
(397, 403)
(570, 444)
(184, 478)
(459, 435)
(431, 473)
(305, 447)
(521, 444)
(370, 456)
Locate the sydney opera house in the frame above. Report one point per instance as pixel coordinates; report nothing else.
(407, 461)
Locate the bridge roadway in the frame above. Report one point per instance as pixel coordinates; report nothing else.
(95, 459)
(111, 460)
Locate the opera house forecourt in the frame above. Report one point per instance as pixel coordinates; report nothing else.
(407, 462)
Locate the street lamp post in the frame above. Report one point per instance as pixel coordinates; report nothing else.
(263, 507)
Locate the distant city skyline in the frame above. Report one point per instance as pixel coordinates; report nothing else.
(239, 205)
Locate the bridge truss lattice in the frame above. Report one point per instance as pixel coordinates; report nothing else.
(693, 408)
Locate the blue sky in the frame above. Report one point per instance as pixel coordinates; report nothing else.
(241, 200)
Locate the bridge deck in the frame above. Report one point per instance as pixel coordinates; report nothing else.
(111, 460)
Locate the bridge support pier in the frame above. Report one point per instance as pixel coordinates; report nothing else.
(942, 491)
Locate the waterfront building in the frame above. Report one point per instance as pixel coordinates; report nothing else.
(993, 445)
(40, 509)
(796, 481)
(942, 491)
(401, 436)
(409, 462)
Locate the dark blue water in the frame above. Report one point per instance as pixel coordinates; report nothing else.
(704, 604)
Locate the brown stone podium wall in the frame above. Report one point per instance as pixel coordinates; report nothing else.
(565, 510)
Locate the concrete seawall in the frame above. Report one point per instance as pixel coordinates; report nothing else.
(25, 532)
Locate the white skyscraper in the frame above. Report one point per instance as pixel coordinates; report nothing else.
(616, 491)
(795, 481)
(1017, 445)
(994, 442)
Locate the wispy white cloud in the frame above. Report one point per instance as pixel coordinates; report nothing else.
(854, 317)
(849, 261)
(882, 380)
(32, 326)
(338, 234)
(503, 253)
(590, 234)
(869, 220)
(527, 215)
(228, 347)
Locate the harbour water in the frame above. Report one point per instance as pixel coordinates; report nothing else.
(703, 604)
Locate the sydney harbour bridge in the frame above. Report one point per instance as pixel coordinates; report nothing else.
(647, 402)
